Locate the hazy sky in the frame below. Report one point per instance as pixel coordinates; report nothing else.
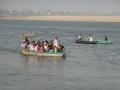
(64, 5)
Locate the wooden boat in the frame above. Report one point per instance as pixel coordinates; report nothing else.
(44, 54)
(94, 42)
(85, 42)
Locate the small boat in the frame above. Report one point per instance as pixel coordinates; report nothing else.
(94, 42)
(44, 54)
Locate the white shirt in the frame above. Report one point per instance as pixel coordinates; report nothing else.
(90, 38)
(79, 37)
(45, 46)
(31, 47)
(23, 45)
(56, 43)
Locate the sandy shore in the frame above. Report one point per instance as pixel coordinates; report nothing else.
(69, 18)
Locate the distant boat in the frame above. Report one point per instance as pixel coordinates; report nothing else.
(94, 42)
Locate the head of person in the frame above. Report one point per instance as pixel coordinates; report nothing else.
(46, 42)
(38, 42)
(33, 42)
(90, 35)
(56, 37)
(26, 38)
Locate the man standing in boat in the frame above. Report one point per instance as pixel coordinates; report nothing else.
(25, 43)
(56, 44)
(106, 38)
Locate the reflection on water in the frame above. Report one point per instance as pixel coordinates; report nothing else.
(43, 68)
(41, 59)
(86, 67)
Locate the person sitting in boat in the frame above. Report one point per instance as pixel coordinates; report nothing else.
(31, 46)
(106, 38)
(25, 43)
(38, 47)
(80, 37)
(50, 45)
(46, 48)
(90, 38)
(34, 43)
(42, 46)
(56, 44)
(62, 48)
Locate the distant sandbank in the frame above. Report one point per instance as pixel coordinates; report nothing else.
(69, 18)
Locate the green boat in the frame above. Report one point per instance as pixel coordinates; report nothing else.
(104, 42)
(44, 54)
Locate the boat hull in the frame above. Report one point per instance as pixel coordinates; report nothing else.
(85, 42)
(32, 53)
(93, 42)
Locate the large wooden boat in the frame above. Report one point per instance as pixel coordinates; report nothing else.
(44, 54)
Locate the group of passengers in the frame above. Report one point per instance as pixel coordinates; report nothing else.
(43, 46)
(80, 37)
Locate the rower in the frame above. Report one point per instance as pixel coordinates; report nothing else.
(56, 44)
(90, 38)
(106, 38)
(80, 37)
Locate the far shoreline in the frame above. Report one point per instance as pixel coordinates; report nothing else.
(67, 18)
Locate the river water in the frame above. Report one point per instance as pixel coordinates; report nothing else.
(86, 67)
